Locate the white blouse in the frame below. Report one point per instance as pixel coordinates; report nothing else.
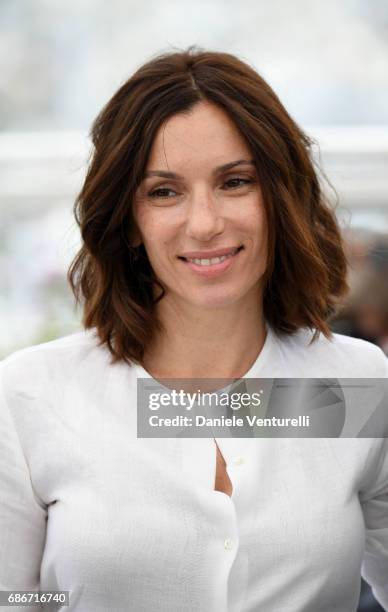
(131, 524)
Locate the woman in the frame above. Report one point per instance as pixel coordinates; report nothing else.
(208, 251)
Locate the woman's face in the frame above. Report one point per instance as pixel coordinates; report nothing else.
(200, 212)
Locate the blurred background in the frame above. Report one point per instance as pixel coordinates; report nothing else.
(61, 61)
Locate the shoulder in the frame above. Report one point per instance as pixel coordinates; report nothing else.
(55, 361)
(338, 355)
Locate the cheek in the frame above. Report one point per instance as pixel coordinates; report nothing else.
(255, 225)
(147, 228)
(156, 225)
(158, 241)
(260, 221)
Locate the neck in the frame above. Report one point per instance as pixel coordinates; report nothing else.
(206, 343)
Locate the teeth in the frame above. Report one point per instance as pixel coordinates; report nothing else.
(212, 261)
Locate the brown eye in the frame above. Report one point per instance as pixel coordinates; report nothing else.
(161, 192)
(237, 182)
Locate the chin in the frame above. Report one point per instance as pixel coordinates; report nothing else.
(216, 299)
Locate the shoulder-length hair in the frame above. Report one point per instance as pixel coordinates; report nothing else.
(306, 271)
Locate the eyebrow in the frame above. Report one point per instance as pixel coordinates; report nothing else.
(217, 170)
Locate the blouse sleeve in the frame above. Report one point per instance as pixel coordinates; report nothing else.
(375, 508)
(22, 515)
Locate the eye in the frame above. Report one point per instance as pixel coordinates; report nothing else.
(161, 192)
(234, 183)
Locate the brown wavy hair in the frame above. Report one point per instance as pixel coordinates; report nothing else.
(306, 272)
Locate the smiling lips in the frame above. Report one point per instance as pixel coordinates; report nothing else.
(210, 257)
(210, 262)
(217, 261)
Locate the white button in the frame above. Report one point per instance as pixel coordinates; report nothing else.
(228, 544)
(238, 460)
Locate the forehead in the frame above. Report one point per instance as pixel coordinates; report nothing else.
(205, 135)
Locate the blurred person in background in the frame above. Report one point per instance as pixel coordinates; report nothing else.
(208, 249)
(365, 314)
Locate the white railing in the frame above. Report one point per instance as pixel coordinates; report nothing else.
(40, 166)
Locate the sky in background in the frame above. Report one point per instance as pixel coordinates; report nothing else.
(61, 61)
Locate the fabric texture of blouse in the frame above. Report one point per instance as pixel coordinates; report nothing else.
(131, 524)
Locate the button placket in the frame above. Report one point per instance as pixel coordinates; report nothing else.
(228, 544)
(239, 460)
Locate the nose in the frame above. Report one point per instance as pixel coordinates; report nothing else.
(204, 219)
